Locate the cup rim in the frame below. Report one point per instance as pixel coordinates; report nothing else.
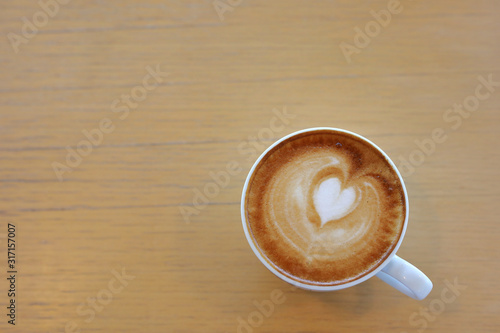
(266, 262)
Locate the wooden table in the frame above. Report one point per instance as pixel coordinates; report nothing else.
(156, 98)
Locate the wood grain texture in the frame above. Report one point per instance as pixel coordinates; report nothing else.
(120, 208)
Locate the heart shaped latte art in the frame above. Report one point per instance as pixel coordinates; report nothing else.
(326, 210)
(332, 202)
(319, 208)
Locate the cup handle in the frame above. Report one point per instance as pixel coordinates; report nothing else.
(406, 278)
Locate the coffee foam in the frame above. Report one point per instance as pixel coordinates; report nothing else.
(325, 208)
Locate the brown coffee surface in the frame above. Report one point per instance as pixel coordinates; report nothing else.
(325, 207)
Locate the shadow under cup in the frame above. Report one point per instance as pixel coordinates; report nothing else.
(324, 209)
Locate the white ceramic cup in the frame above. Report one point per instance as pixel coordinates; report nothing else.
(395, 271)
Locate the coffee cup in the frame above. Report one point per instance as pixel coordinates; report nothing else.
(326, 209)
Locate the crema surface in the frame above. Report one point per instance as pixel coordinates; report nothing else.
(325, 207)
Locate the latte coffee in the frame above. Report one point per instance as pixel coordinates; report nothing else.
(325, 207)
